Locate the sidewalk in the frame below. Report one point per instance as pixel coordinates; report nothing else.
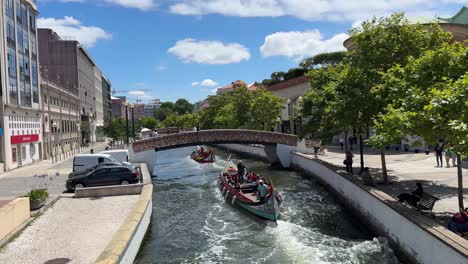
(404, 170)
(72, 230)
(18, 182)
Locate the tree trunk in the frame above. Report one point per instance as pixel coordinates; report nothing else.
(460, 183)
(384, 166)
(346, 140)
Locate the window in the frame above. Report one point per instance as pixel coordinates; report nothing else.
(11, 31)
(19, 36)
(11, 62)
(32, 21)
(10, 8)
(33, 44)
(13, 155)
(26, 42)
(13, 90)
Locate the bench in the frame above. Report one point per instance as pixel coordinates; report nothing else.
(426, 203)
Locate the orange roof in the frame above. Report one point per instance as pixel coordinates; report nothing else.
(232, 85)
(289, 83)
(253, 87)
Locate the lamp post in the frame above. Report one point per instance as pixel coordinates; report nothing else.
(300, 101)
(289, 116)
(132, 107)
(54, 126)
(78, 132)
(126, 122)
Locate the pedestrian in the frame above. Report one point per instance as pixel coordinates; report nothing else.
(439, 150)
(448, 155)
(91, 151)
(349, 162)
(341, 142)
(351, 140)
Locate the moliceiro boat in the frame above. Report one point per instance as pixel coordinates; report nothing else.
(203, 156)
(245, 195)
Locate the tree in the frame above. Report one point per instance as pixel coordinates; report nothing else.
(116, 129)
(182, 106)
(265, 108)
(293, 73)
(149, 122)
(187, 120)
(432, 90)
(323, 59)
(170, 121)
(278, 76)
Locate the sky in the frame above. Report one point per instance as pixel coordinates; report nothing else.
(170, 49)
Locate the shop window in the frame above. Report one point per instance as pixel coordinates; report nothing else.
(13, 155)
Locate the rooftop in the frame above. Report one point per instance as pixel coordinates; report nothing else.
(459, 18)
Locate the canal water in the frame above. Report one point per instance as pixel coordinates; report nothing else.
(192, 223)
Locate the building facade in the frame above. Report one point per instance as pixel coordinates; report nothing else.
(68, 64)
(21, 141)
(106, 98)
(118, 106)
(61, 116)
(150, 107)
(230, 87)
(138, 112)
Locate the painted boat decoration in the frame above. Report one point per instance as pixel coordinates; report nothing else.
(203, 156)
(245, 196)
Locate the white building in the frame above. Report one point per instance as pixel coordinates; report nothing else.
(21, 141)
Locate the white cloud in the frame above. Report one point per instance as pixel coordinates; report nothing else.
(71, 27)
(136, 92)
(138, 4)
(205, 83)
(335, 10)
(300, 44)
(209, 52)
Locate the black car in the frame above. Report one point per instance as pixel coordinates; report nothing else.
(106, 175)
(90, 169)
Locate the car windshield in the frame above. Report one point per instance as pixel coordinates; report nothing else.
(112, 159)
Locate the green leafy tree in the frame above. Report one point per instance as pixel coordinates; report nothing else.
(149, 122)
(323, 59)
(170, 121)
(182, 106)
(265, 108)
(116, 129)
(187, 120)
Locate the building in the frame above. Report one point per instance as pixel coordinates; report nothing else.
(138, 111)
(118, 106)
(20, 118)
(200, 105)
(98, 124)
(230, 87)
(67, 63)
(107, 101)
(292, 90)
(153, 105)
(61, 115)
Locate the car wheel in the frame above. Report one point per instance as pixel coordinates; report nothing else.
(124, 183)
(79, 185)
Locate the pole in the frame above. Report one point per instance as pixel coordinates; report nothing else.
(460, 183)
(126, 120)
(133, 125)
(361, 151)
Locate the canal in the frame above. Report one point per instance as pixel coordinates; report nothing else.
(192, 223)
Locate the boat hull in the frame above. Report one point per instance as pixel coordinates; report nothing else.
(209, 158)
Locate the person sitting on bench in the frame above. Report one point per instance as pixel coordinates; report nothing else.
(414, 197)
(459, 222)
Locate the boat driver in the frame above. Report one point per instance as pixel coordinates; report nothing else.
(262, 190)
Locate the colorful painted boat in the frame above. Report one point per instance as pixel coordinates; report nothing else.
(207, 156)
(245, 197)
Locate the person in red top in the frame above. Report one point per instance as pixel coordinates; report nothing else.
(459, 222)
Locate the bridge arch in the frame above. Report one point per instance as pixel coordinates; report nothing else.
(145, 150)
(215, 136)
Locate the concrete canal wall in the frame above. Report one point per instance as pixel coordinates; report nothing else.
(413, 236)
(125, 244)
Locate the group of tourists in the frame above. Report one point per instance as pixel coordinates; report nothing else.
(446, 151)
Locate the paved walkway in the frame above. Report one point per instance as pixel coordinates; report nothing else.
(77, 230)
(405, 169)
(19, 181)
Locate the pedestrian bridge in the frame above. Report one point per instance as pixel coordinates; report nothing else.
(216, 136)
(276, 144)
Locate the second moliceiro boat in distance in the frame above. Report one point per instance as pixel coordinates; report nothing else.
(203, 155)
(245, 195)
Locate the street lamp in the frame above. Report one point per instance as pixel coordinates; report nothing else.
(78, 132)
(126, 122)
(54, 126)
(300, 100)
(132, 106)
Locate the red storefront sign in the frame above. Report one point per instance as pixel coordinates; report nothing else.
(24, 139)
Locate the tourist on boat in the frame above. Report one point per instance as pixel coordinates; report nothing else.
(262, 191)
(241, 169)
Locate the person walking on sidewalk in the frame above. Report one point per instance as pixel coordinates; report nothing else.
(341, 142)
(448, 155)
(439, 150)
(349, 162)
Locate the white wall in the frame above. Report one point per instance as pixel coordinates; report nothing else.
(415, 241)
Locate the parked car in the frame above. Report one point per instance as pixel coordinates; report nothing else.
(102, 176)
(85, 161)
(88, 170)
(118, 154)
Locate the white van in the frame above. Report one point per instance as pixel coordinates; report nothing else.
(118, 154)
(82, 162)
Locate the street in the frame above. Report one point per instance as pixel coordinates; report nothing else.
(20, 181)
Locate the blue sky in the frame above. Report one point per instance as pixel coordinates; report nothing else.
(185, 49)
